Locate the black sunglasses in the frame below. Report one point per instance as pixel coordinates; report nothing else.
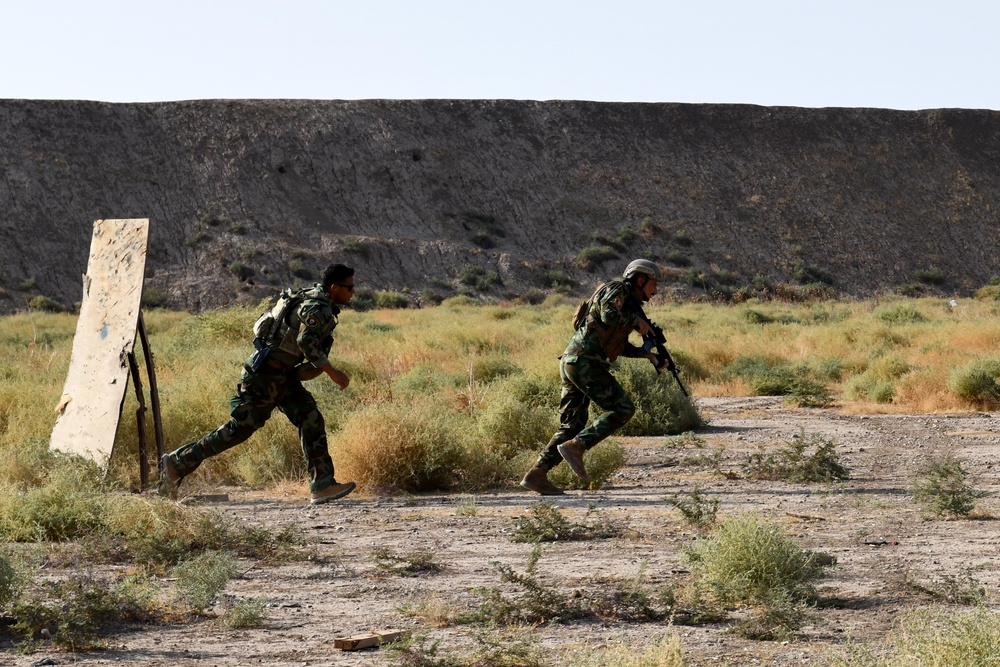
(349, 288)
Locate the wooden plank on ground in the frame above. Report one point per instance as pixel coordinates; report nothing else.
(367, 640)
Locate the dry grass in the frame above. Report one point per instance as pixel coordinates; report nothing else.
(488, 382)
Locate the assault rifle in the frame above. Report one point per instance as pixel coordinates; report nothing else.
(658, 342)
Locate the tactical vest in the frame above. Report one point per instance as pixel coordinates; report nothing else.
(611, 339)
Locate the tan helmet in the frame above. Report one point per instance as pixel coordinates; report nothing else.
(643, 266)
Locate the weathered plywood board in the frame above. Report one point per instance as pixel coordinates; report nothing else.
(368, 640)
(90, 407)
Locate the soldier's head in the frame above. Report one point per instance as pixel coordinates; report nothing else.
(645, 275)
(338, 281)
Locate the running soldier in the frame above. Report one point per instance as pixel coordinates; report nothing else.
(603, 324)
(293, 341)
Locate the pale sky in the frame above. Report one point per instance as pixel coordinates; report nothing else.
(899, 54)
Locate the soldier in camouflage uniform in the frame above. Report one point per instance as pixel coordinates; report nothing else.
(298, 351)
(603, 325)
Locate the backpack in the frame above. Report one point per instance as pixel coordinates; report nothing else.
(583, 310)
(272, 320)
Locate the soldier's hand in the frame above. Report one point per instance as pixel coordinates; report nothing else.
(643, 327)
(339, 377)
(653, 359)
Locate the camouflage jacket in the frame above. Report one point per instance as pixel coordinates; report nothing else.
(309, 332)
(612, 313)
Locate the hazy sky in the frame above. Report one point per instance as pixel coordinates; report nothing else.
(901, 54)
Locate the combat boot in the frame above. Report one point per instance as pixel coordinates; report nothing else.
(537, 480)
(170, 479)
(572, 452)
(332, 493)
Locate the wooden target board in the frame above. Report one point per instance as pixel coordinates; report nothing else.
(91, 404)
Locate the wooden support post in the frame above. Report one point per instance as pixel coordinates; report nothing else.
(140, 420)
(154, 393)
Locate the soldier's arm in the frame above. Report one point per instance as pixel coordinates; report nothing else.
(312, 324)
(612, 310)
(313, 320)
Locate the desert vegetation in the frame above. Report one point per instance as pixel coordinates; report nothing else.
(459, 399)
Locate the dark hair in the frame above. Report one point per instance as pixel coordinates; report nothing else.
(335, 273)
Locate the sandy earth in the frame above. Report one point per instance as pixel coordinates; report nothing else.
(869, 523)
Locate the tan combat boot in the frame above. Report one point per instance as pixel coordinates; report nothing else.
(537, 480)
(572, 452)
(331, 493)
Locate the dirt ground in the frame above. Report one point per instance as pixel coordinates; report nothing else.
(885, 550)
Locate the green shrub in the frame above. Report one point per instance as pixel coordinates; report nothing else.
(402, 448)
(459, 301)
(877, 383)
(976, 383)
(930, 276)
(536, 390)
(678, 258)
(660, 407)
(940, 488)
(810, 273)
(241, 270)
(723, 276)
(427, 379)
(535, 603)
(696, 509)
(750, 561)
(478, 278)
(752, 316)
(408, 565)
(12, 579)
(934, 638)
(777, 619)
(662, 652)
(364, 299)
(768, 377)
(201, 578)
(593, 256)
(357, 246)
(196, 238)
(490, 368)
(512, 425)
(45, 303)
(793, 464)
(901, 314)
(77, 612)
(154, 297)
(989, 292)
(384, 299)
(54, 512)
(545, 523)
(247, 613)
(554, 278)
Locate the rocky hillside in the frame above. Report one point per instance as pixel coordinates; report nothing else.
(499, 198)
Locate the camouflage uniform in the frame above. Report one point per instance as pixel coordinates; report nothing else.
(308, 338)
(611, 315)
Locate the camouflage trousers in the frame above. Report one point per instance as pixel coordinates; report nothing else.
(582, 382)
(257, 395)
